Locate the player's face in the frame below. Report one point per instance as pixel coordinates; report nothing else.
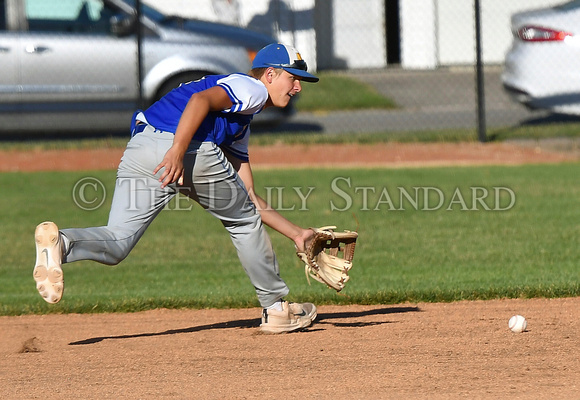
(282, 87)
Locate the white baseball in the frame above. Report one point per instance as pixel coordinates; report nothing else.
(518, 324)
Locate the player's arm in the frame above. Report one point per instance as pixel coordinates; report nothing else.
(197, 108)
(271, 217)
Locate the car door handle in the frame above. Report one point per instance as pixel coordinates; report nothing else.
(32, 49)
(4, 50)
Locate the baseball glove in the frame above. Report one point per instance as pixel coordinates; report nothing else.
(328, 257)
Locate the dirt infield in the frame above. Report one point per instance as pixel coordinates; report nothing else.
(417, 351)
(379, 154)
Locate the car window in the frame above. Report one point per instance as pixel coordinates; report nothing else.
(148, 11)
(2, 15)
(76, 16)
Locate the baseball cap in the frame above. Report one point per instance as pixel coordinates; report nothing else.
(278, 55)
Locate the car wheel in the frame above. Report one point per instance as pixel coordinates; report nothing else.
(177, 80)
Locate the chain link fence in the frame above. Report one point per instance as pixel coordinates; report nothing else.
(442, 61)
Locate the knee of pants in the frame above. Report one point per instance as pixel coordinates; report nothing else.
(119, 249)
(242, 225)
(117, 255)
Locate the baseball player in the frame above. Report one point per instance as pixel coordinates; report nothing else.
(195, 141)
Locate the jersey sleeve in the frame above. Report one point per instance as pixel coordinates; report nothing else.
(248, 95)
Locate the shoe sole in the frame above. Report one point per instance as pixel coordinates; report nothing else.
(303, 323)
(312, 316)
(47, 271)
(285, 328)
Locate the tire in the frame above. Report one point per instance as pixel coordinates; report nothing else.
(177, 80)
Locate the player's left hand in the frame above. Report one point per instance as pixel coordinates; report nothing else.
(328, 256)
(303, 240)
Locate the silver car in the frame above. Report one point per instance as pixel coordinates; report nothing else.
(71, 65)
(542, 67)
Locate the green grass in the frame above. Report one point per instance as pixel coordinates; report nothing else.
(336, 92)
(405, 253)
(65, 143)
(548, 131)
(540, 132)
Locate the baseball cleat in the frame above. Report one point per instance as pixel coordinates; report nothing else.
(307, 310)
(293, 317)
(47, 271)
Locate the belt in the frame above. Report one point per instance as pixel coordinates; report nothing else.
(139, 127)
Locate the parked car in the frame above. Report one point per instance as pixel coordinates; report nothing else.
(71, 66)
(542, 67)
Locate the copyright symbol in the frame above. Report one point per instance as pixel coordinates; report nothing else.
(89, 194)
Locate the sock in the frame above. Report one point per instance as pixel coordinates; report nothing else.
(65, 244)
(276, 306)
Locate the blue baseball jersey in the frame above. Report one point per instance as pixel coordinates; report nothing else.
(227, 128)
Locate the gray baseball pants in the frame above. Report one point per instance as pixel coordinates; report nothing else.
(209, 179)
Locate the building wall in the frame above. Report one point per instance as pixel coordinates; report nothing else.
(338, 34)
(352, 31)
(442, 32)
(418, 34)
(359, 34)
(289, 21)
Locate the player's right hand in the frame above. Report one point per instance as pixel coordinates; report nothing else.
(172, 164)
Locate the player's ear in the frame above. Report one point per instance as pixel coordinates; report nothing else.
(269, 74)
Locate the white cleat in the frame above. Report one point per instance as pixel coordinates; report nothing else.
(48, 272)
(293, 317)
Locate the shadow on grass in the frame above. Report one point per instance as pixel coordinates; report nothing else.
(550, 119)
(548, 122)
(288, 127)
(255, 322)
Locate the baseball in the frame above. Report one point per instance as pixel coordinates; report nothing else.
(518, 324)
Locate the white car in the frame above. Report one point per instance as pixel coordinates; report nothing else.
(542, 68)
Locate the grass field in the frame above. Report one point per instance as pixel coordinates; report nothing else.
(329, 95)
(448, 248)
(548, 131)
